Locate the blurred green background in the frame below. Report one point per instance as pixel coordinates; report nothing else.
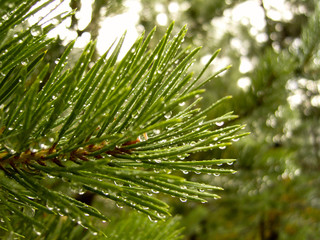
(273, 46)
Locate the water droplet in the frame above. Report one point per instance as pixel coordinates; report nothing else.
(135, 115)
(183, 199)
(36, 31)
(154, 191)
(222, 147)
(105, 193)
(119, 205)
(156, 131)
(43, 146)
(161, 215)
(235, 139)
(198, 168)
(168, 115)
(5, 17)
(157, 161)
(219, 124)
(152, 219)
(182, 104)
(49, 206)
(185, 171)
(117, 184)
(230, 163)
(36, 230)
(216, 174)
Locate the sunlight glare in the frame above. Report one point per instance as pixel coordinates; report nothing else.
(112, 28)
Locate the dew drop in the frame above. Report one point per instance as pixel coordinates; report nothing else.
(185, 172)
(117, 184)
(160, 215)
(135, 115)
(222, 147)
(168, 115)
(119, 205)
(198, 168)
(49, 206)
(183, 199)
(156, 131)
(152, 219)
(235, 139)
(216, 174)
(5, 17)
(36, 31)
(43, 146)
(105, 193)
(219, 124)
(154, 191)
(230, 163)
(182, 104)
(36, 230)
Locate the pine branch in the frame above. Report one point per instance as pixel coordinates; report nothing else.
(117, 129)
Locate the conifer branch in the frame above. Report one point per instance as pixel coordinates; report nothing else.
(117, 129)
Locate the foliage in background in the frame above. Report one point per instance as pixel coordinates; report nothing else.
(275, 193)
(118, 129)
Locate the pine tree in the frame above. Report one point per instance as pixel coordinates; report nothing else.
(118, 129)
(275, 193)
